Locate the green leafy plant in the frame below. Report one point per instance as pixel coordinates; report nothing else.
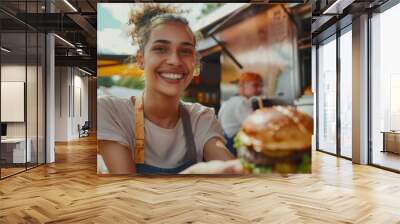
(131, 82)
(305, 166)
(105, 81)
(209, 8)
(237, 144)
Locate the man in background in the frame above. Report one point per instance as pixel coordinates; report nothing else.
(235, 110)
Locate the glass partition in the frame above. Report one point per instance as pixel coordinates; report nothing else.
(22, 90)
(13, 87)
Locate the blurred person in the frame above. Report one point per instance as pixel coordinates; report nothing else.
(237, 108)
(156, 133)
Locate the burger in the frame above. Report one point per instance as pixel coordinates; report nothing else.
(275, 139)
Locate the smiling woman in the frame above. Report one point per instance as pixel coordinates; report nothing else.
(156, 133)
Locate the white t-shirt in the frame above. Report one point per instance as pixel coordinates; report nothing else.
(233, 112)
(164, 148)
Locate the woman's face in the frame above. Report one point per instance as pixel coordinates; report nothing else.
(169, 58)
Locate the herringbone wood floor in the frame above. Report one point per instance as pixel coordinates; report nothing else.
(69, 191)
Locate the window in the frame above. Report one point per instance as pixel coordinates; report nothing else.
(346, 93)
(327, 96)
(385, 88)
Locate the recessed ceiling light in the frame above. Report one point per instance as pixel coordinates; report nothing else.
(64, 40)
(70, 5)
(337, 7)
(5, 50)
(86, 72)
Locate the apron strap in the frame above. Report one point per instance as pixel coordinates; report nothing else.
(139, 130)
(191, 153)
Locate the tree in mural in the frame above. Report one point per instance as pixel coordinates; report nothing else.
(209, 8)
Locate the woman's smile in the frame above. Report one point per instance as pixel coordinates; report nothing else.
(171, 76)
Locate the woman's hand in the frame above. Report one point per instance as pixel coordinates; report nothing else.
(215, 167)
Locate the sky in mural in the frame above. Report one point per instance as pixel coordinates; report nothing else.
(112, 27)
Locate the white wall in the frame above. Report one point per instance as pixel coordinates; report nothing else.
(12, 73)
(62, 81)
(70, 84)
(79, 110)
(33, 127)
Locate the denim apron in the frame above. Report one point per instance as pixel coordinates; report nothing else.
(229, 144)
(141, 166)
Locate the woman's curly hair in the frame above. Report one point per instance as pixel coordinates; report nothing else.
(151, 15)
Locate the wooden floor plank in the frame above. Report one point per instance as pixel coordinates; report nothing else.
(69, 191)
